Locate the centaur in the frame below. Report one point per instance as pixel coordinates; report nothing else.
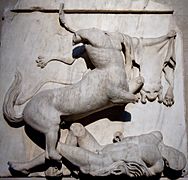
(103, 87)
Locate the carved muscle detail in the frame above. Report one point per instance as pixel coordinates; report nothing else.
(135, 156)
(101, 88)
(112, 82)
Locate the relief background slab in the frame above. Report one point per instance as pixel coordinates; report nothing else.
(25, 36)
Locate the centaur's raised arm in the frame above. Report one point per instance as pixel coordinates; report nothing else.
(42, 62)
(154, 41)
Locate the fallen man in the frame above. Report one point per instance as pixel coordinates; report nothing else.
(136, 156)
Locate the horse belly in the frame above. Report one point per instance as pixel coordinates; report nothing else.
(87, 96)
(85, 102)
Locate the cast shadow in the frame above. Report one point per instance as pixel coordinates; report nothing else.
(116, 113)
(118, 177)
(38, 168)
(12, 124)
(37, 137)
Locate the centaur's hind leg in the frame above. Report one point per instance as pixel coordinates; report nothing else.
(26, 167)
(51, 143)
(50, 153)
(77, 135)
(48, 123)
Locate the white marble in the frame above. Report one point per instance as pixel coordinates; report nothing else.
(29, 35)
(112, 4)
(49, 4)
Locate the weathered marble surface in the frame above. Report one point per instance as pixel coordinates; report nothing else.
(135, 156)
(26, 36)
(52, 4)
(103, 87)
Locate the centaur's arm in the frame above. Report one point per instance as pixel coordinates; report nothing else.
(42, 62)
(77, 52)
(154, 41)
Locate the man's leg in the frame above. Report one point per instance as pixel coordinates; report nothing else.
(84, 138)
(87, 161)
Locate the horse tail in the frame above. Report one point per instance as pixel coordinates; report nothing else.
(10, 98)
(21, 100)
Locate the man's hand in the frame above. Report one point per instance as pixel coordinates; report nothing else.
(41, 62)
(171, 34)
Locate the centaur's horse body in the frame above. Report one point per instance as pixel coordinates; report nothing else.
(103, 87)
